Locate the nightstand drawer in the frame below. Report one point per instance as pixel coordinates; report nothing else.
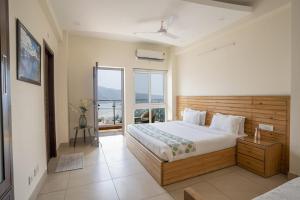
(251, 151)
(251, 164)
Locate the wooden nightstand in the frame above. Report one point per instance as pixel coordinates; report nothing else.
(260, 157)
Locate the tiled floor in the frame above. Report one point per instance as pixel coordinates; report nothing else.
(112, 172)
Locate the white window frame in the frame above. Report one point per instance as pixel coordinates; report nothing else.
(150, 105)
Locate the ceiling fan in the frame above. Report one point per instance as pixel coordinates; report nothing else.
(163, 30)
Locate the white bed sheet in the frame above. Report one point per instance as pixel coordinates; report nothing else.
(287, 191)
(206, 140)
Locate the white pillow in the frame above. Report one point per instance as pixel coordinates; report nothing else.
(242, 123)
(227, 123)
(201, 116)
(191, 116)
(217, 121)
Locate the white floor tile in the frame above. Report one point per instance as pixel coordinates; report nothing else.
(52, 196)
(55, 182)
(139, 186)
(164, 196)
(88, 175)
(112, 172)
(97, 191)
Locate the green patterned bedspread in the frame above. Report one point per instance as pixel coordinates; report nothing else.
(177, 144)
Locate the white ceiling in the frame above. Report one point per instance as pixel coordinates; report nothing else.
(119, 19)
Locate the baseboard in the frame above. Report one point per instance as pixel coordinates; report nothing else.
(38, 187)
(292, 176)
(64, 144)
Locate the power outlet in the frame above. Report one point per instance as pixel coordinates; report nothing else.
(266, 127)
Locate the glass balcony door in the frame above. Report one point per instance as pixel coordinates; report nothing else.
(110, 90)
(6, 183)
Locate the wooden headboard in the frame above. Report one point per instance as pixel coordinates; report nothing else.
(273, 110)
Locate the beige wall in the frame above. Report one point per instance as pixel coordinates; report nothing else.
(265, 61)
(61, 92)
(85, 51)
(295, 108)
(28, 116)
(259, 63)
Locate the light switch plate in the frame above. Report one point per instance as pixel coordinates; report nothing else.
(266, 127)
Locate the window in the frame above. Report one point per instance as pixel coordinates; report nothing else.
(157, 88)
(141, 88)
(150, 96)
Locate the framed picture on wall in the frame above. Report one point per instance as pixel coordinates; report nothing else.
(28, 56)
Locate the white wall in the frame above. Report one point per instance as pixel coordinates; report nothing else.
(171, 86)
(259, 63)
(295, 107)
(61, 92)
(265, 61)
(28, 116)
(85, 51)
(253, 56)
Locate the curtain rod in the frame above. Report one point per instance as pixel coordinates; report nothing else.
(217, 48)
(145, 69)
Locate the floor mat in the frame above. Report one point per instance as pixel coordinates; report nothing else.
(68, 162)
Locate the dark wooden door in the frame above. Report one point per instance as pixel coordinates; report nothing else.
(49, 102)
(5, 107)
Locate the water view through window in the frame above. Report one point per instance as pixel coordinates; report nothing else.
(157, 88)
(149, 96)
(142, 87)
(149, 81)
(110, 105)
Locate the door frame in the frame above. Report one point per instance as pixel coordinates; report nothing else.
(6, 186)
(122, 70)
(49, 107)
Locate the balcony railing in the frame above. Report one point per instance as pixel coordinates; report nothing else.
(110, 113)
(144, 115)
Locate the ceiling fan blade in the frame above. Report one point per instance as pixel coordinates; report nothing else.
(167, 21)
(170, 20)
(170, 35)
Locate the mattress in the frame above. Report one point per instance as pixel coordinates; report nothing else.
(287, 191)
(177, 140)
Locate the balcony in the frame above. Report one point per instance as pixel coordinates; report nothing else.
(110, 115)
(145, 116)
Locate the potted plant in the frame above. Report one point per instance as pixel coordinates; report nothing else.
(82, 108)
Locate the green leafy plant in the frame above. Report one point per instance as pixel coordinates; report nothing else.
(83, 106)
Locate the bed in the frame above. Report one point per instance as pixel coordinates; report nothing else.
(287, 191)
(174, 151)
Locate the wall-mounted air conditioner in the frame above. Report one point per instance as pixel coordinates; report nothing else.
(150, 55)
